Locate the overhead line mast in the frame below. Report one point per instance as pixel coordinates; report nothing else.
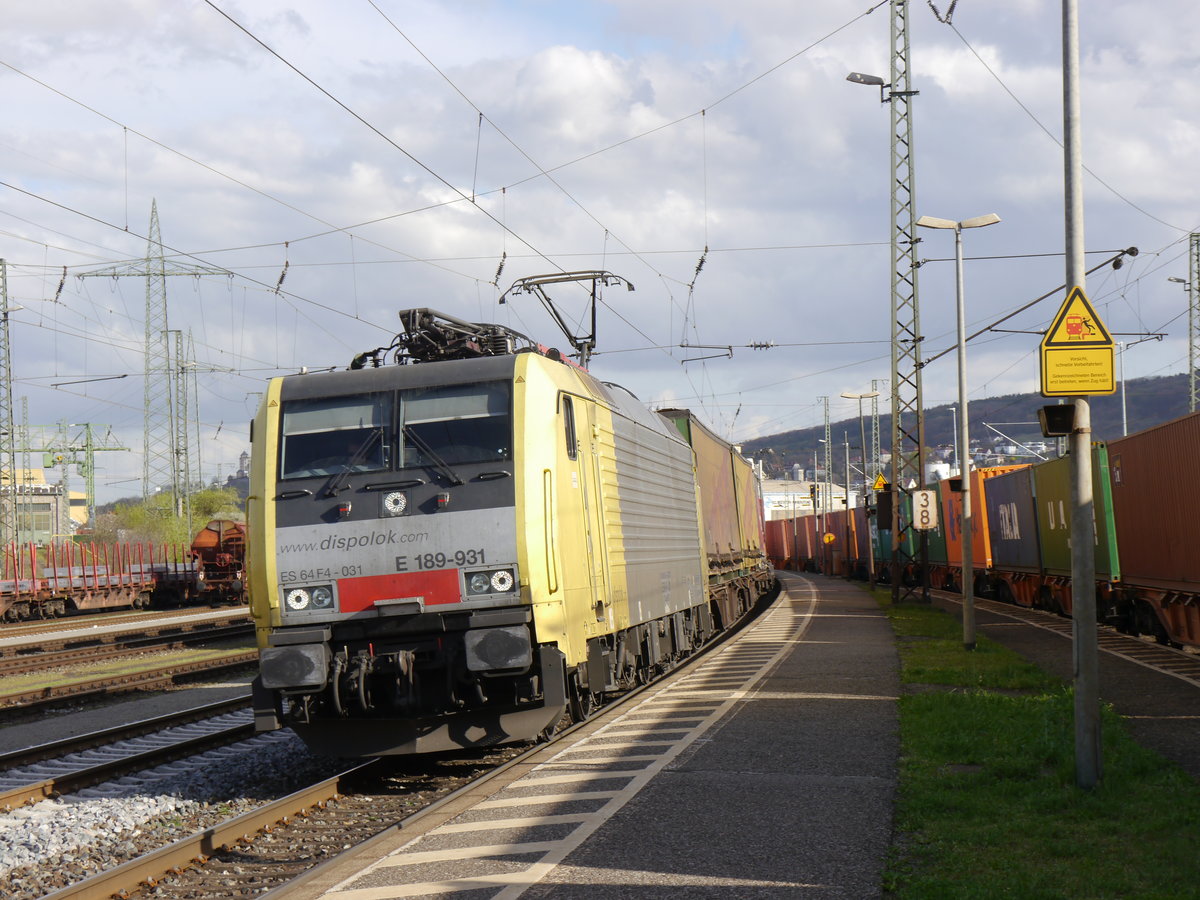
(166, 450)
(909, 570)
(8, 453)
(910, 547)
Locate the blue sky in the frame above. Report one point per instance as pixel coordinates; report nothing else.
(592, 151)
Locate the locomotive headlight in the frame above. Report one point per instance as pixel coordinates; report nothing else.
(297, 599)
(395, 503)
(490, 581)
(322, 597)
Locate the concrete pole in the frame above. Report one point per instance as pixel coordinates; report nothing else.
(1088, 764)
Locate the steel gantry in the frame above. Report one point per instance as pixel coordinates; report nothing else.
(910, 551)
(65, 449)
(166, 450)
(910, 547)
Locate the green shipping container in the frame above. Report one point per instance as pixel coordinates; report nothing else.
(882, 538)
(937, 536)
(1052, 496)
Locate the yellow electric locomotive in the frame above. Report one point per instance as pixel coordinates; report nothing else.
(454, 552)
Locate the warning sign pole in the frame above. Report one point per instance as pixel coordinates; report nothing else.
(1083, 560)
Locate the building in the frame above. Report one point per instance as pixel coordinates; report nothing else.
(785, 499)
(42, 512)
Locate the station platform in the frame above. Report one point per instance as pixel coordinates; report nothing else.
(766, 769)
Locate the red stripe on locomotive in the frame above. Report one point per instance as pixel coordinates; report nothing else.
(436, 586)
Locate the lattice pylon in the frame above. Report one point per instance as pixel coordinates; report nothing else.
(909, 546)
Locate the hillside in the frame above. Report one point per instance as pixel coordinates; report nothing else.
(1148, 401)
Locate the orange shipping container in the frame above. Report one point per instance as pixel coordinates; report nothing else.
(981, 553)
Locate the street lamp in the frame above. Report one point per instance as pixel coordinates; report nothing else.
(968, 569)
(862, 434)
(873, 81)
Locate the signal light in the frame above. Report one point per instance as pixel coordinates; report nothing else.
(443, 499)
(1057, 421)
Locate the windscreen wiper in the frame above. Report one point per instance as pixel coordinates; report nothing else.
(423, 445)
(358, 456)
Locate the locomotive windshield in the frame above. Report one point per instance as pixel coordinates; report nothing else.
(332, 435)
(460, 423)
(434, 426)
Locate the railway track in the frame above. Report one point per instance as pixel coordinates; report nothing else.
(63, 767)
(139, 621)
(142, 680)
(14, 644)
(1161, 657)
(275, 843)
(171, 639)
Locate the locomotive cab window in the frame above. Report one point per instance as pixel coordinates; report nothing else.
(568, 409)
(332, 435)
(457, 423)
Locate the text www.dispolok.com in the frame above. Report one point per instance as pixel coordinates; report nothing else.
(354, 541)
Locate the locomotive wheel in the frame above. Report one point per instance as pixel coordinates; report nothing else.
(582, 702)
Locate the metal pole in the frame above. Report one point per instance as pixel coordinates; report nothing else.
(827, 496)
(846, 552)
(1083, 562)
(1121, 375)
(866, 502)
(954, 429)
(964, 469)
(875, 470)
(795, 534)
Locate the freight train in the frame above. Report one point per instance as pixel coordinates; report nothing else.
(1147, 551)
(457, 548)
(214, 569)
(71, 578)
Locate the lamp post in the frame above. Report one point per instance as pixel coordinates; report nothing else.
(968, 569)
(862, 434)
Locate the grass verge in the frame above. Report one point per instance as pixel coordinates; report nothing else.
(987, 803)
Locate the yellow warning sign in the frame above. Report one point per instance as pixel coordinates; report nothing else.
(1077, 351)
(1077, 325)
(880, 484)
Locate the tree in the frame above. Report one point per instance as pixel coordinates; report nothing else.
(154, 520)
